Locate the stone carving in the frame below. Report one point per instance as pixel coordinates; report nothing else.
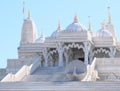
(75, 70)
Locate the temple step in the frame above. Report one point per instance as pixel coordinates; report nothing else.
(47, 70)
(60, 86)
(43, 74)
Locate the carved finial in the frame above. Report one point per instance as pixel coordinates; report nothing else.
(109, 15)
(42, 33)
(89, 25)
(103, 24)
(75, 18)
(28, 13)
(59, 26)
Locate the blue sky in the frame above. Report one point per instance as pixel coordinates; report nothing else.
(46, 14)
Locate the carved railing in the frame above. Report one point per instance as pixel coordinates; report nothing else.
(35, 65)
(92, 74)
(18, 76)
(8, 78)
(22, 73)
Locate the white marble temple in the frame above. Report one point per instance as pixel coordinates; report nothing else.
(85, 54)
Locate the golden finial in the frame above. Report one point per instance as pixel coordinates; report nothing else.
(89, 23)
(75, 18)
(28, 13)
(59, 26)
(109, 16)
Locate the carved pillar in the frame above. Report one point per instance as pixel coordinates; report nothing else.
(66, 56)
(91, 56)
(112, 52)
(60, 53)
(86, 53)
(46, 57)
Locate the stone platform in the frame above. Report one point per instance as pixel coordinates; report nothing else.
(60, 86)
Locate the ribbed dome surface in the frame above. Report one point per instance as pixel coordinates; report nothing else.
(103, 33)
(40, 40)
(75, 26)
(54, 34)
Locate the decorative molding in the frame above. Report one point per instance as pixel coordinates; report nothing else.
(73, 45)
(101, 50)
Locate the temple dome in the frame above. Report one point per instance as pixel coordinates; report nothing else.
(75, 26)
(40, 40)
(54, 34)
(103, 33)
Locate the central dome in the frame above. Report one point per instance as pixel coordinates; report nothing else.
(75, 26)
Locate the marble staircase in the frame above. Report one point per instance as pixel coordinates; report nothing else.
(43, 74)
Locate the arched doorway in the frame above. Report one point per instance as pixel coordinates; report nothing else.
(74, 51)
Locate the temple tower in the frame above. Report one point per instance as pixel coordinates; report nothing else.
(110, 26)
(29, 31)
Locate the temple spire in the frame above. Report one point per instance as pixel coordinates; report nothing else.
(103, 24)
(28, 13)
(89, 23)
(75, 19)
(109, 15)
(42, 33)
(59, 26)
(23, 10)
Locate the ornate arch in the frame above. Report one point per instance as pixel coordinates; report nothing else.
(73, 45)
(52, 52)
(101, 50)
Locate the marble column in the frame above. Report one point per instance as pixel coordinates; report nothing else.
(46, 57)
(112, 52)
(91, 56)
(86, 53)
(66, 56)
(60, 53)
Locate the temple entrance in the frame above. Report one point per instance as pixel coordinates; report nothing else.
(81, 59)
(74, 54)
(77, 54)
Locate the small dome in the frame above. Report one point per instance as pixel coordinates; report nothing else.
(103, 33)
(55, 33)
(75, 26)
(40, 40)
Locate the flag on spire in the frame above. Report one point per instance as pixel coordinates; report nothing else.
(23, 8)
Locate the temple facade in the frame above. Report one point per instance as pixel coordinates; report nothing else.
(74, 52)
(63, 46)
